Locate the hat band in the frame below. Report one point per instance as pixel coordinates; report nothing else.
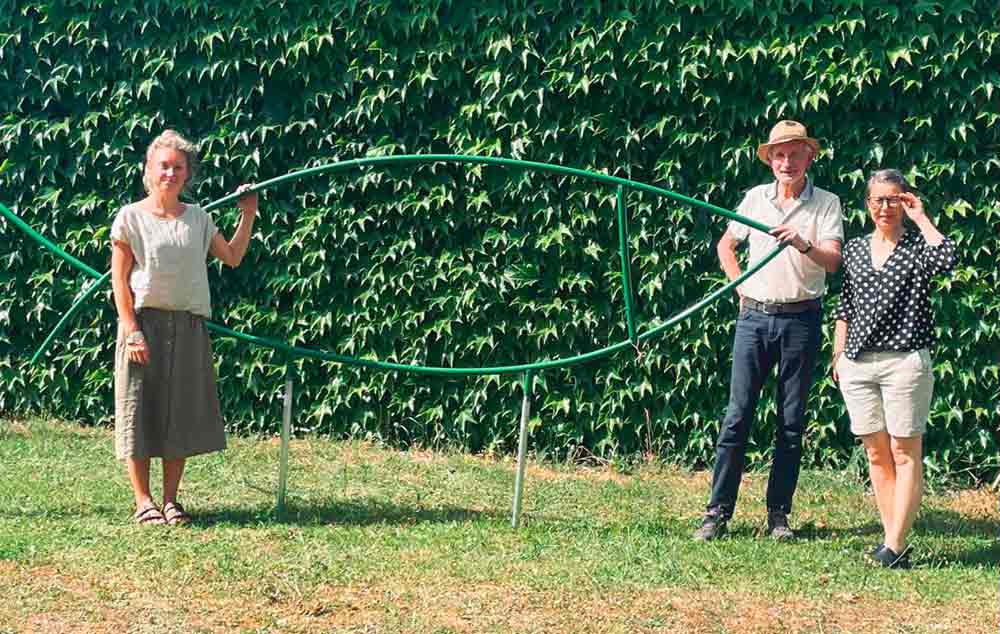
(787, 139)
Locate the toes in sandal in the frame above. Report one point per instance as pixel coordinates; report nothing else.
(149, 514)
(175, 514)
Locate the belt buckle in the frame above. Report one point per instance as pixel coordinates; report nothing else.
(770, 309)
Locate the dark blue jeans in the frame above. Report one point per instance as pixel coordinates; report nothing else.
(790, 342)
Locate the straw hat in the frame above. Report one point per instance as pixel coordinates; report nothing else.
(785, 131)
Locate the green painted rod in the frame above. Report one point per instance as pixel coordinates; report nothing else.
(626, 265)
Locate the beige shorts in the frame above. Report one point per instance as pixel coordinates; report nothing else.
(887, 391)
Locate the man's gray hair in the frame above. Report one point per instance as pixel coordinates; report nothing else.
(173, 140)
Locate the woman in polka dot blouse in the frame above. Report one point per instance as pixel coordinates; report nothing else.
(881, 359)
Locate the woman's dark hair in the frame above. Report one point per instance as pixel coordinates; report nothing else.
(889, 176)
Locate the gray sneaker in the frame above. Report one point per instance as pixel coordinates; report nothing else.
(777, 526)
(712, 527)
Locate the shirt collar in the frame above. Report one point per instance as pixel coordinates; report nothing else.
(805, 196)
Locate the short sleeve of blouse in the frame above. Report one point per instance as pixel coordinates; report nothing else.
(210, 229)
(122, 228)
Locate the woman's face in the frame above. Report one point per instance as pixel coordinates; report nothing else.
(168, 170)
(885, 206)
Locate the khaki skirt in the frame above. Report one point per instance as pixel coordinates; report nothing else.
(168, 408)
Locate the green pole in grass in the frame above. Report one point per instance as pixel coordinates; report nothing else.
(522, 448)
(286, 432)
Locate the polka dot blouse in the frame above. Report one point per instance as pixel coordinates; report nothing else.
(888, 309)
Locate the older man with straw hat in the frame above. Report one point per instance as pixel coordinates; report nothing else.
(779, 321)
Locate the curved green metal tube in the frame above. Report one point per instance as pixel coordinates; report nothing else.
(403, 159)
(42, 240)
(95, 285)
(621, 183)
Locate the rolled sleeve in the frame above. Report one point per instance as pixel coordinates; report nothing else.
(939, 259)
(844, 310)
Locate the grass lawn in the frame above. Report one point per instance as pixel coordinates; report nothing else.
(377, 540)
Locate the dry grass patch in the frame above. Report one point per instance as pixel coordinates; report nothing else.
(497, 608)
(977, 503)
(75, 605)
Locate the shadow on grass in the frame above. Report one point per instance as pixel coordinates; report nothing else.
(931, 522)
(983, 556)
(353, 512)
(936, 524)
(946, 523)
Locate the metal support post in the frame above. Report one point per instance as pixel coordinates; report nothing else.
(522, 448)
(286, 432)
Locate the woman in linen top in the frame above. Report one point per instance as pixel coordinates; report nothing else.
(881, 356)
(166, 401)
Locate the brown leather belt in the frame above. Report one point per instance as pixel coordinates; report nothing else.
(777, 309)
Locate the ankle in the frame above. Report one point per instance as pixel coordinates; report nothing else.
(896, 545)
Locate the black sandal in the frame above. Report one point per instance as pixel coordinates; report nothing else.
(175, 515)
(149, 514)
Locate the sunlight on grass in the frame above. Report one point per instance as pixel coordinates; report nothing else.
(420, 542)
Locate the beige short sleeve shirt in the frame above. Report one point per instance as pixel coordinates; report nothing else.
(170, 270)
(792, 276)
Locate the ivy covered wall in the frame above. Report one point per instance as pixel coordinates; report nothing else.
(486, 266)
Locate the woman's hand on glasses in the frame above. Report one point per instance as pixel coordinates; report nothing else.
(913, 206)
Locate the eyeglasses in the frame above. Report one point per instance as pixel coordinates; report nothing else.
(891, 201)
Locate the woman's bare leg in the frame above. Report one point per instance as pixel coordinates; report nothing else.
(882, 468)
(907, 455)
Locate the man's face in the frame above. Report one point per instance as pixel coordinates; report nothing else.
(789, 161)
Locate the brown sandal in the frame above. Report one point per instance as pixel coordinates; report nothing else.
(175, 515)
(149, 514)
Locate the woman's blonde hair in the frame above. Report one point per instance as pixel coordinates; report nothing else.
(173, 140)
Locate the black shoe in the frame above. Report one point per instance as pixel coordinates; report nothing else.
(875, 551)
(777, 526)
(712, 527)
(888, 558)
